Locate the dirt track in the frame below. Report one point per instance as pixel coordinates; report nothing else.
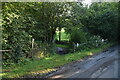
(103, 65)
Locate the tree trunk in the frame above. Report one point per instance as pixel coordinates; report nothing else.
(59, 34)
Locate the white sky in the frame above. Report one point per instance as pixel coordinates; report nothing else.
(87, 2)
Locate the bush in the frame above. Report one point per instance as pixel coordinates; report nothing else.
(95, 41)
(78, 36)
(47, 48)
(92, 42)
(19, 44)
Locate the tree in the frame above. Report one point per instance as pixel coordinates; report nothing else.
(102, 20)
(24, 21)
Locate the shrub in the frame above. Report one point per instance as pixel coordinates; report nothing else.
(95, 41)
(92, 42)
(78, 36)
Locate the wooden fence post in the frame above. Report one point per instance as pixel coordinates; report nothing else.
(32, 46)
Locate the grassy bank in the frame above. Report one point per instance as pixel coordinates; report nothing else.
(47, 64)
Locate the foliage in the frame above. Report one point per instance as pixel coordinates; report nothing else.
(92, 42)
(39, 20)
(78, 36)
(24, 21)
(96, 41)
(15, 38)
(102, 19)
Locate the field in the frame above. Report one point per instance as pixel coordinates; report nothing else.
(64, 36)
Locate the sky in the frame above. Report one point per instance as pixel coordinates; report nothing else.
(88, 2)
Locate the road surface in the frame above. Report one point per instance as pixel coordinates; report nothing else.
(103, 65)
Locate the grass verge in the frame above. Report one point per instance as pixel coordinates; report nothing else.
(47, 64)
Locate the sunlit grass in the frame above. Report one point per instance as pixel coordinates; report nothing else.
(61, 45)
(42, 72)
(2, 74)
(90, 53)
(64, 36)
(47, 64)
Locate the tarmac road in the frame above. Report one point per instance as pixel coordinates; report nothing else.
(103, 65)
